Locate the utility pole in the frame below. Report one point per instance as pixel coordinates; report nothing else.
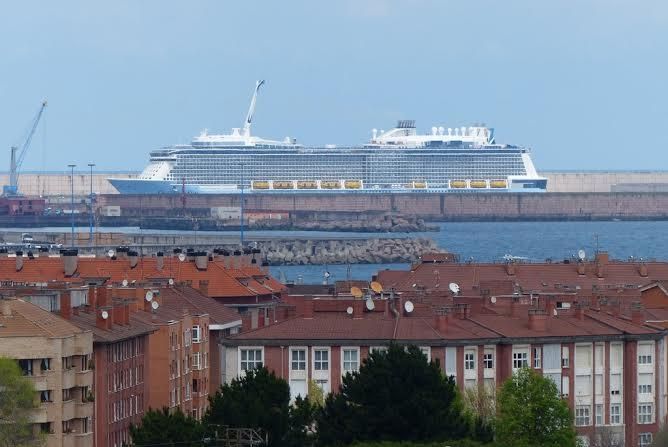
(72, 166)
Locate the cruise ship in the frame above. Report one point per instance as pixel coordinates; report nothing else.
(400, 160)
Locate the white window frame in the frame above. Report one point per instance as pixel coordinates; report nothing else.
(488, 362)
(320, 376)
(645, 439)
(582, 415)
(565, 357)
(521, 358)
(645, 417)
(599, 415)
(299, 349)
(469, 360)
(319, 362)
(250, 348)
(426, 350)
(616, 416)
(343, 362)
(537, 357)
(196, 333)
(197, 360)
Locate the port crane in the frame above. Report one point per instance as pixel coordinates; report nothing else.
(18, 154)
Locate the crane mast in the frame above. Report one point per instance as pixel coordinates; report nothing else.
(16, 157)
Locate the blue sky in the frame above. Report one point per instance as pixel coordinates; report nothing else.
(584, 83)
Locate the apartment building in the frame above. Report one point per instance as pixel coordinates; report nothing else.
(56, 355)
(607, 367)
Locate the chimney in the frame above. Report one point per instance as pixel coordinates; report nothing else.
(235, 263)
(602, 258)
(70, 259)
(66, 305)
(201, 260)
(515, 307)
(510, 268)
(581, 268)
(100, 321)
(117, 313)
(160, 261)
(358, 308)
(133, 256)
(550, 307)
(226, 259)
(126, 313)
(579, 311)
(637, 314)
(643, 270)
(6, 307)
(463, 311)
(19, 261)
(204, 286)
(538, 320)
(308, 308)
(3, 253)
(600, 270)
(442, 323)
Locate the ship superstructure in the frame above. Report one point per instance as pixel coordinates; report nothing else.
(461, 159)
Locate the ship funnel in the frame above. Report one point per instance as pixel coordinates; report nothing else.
(434, 130)
(374, 132)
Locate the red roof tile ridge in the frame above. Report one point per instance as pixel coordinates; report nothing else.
(479, 323)
(257, 329)
(608, 319)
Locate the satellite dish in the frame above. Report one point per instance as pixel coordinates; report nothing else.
(170, 282)
(149, 296)
(125, 283)
(409, 306)
(155, 305)
(370, 305)
(554, 312)
(111, 253)
(493, 300)
(454, 287)
(376, 287)
(356, 292)
(104, 314)
(327, 274)
(582, 255)
(182, 257)
(349, 310)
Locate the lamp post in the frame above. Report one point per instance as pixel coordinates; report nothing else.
(241, 228)
(72, 166)
(90, 211)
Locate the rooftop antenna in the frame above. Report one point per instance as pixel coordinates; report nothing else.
(251, 109)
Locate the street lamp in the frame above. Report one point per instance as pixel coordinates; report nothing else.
(71, 166)
(90, 212)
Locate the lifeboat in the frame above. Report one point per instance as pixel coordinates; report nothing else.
(419, 185)
(458, 184)
(352, 184)
(307, 184)
(284, 185)
(260, 185)
(498, 184)
(330, 184)
(478, 184)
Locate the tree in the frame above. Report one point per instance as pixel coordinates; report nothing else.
(160, 427)
(531, 413)
(257, 400)
(395, 396)
(17, 401)
(480, 405)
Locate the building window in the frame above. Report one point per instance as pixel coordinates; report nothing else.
(565, 357)
(582, 415)
(196, 360)
(537, 357)
(45, 427)
(26, 367)
(350, 360)
(299, 360)
(45, 396)
(196, 334)
(615, 414)
(520, 360)
(321, 360)
(250, 358)
(488, 361)
(645, 388)
(469, 360)
(645, 415)
(67, 394)
(67, 427)
(426, 350)
(45, 365)
(644, 439)
(599, 414)
(645, 359)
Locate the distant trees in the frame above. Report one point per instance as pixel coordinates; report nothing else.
(531, 413)
(17, 401)
(395, 396)
(161, 427)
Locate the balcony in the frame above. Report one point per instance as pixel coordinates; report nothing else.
(83, 410)
(84, 378)
(68, 410)
(69, 378)
(77, 439)
(40, 415)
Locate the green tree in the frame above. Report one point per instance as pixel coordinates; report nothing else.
(531, 413)
(480, 406)
(164, 428)
(301, 432)
(257, 400)
(17, 401)
(395, 396)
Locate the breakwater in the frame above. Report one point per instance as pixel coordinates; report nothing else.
(430, 206)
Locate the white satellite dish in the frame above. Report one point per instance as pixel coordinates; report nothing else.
(155, 305)
(454, 287)
(149, 296)
(327, 274)
(104, 314)
(349, 310)
(182, 257)
(409, 306)
(170, 282)
(554, 312)
(125, 283)
(493, 300)
(111, 253)
(582, 255)
(370, 305)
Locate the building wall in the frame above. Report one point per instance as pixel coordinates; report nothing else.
(59, 184)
